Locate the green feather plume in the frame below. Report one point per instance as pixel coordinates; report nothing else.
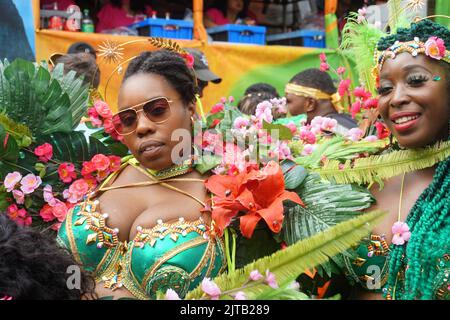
(289, 263)
(359, 42)
(376, 168)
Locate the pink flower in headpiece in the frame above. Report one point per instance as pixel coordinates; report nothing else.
(401, 233)
(189, 58)
(323, 57)
(435, 48)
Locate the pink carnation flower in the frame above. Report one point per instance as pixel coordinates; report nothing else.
(324, 67)
(210, 288)
(323, 57)
(328, 124)
(44, 152)
(401, 233)
(11, 180)
(271, 280)
(354, 134)
(241, 123)
(343, 87)
(217, 108)
(29, 183)
(103, 109)
(240, 296)
(340, 70)
(100, 162)
(19, 196)
(255, 275)
(171, 295)
(46, 213)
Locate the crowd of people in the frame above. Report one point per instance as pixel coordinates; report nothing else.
(157, 222)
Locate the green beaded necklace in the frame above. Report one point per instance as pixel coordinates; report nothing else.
(173, 171)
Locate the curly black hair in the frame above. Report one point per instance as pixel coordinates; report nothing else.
(254, 95)
(171, 66)
(423, 29)
(34, 267)
(314, 78)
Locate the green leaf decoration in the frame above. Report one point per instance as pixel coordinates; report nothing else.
(293, 174)
(289, 263)
(374, 168)
(338, 148)
(327, 204)
(28, 95)
(20, 132)
(78, 92)
(207, 162)
(9, 150)
(283, 132)
(74, 147)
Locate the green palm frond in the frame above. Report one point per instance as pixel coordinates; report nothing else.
(375, 168)
(76, 89)
(337, 148)
(289, 263)
(29, 95)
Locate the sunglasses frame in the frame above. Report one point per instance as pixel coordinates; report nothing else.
(134, 108)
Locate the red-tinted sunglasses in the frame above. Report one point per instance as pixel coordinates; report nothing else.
(156, 110)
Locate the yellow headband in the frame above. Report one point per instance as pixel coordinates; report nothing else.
(302, 91)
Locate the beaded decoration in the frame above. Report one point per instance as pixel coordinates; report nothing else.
(173, 230)
(414, 47)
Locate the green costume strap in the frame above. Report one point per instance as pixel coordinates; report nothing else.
(169, 255)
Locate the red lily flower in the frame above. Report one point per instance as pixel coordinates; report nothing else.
(257, 194)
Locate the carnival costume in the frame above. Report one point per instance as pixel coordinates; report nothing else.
(418, 268)
(169, 255)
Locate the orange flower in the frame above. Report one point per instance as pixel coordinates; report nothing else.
(256, 194)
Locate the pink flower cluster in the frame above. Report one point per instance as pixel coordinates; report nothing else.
(100, 115)
(28, 184)
(324, 66)
(20, 216)
(364, 100)
(44, 152)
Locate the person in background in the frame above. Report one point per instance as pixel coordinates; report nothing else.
(312, 92)
(34, 267)
(256, 94)
(82, 63)
(202, 72)
(80, 47)
(229, 12)
(62, 4)
(121, 13)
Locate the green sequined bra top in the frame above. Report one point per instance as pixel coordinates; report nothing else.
(176, 255)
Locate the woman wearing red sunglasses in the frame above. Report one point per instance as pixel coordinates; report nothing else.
(143, 231)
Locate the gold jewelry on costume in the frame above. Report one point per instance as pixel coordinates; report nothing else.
(303, 91)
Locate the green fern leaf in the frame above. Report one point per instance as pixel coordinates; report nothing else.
(375, 168)
(287, 264)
